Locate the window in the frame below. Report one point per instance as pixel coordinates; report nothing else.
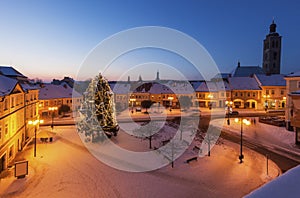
(11, 151)
(275, 55)
(249, 94)
(236, 94)
(298, 84)
(253, 94)
(5, 104)
(272, 91)
(241, 94)
(267, 92)
(6, 129)
(12, 102)
(282, 92)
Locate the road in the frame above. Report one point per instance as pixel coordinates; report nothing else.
(284, 159)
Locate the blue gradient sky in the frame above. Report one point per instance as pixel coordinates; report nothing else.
(50, 38)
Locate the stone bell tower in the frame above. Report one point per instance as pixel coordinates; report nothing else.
(272, 51)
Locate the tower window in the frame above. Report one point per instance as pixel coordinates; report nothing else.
(273, 44)
(275, 55)
(274, 65)
(276, 44)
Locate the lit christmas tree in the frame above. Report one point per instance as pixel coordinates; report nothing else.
(98, 111)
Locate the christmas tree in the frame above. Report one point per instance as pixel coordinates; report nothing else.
(98, 111)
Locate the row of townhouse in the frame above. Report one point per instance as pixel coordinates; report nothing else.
(18, 106)
(256, 92)
(292, 111)
(22, 104)
(53, 96)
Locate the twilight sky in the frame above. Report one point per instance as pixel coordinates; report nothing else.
(51, 38)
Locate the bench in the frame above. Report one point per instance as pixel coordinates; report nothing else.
(191, 159)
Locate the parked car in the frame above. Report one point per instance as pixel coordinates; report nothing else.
(138, 109)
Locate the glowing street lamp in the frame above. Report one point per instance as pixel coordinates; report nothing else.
(170, 98)
(35, 122)
(52, 109)
(246, 122)
(132, 100)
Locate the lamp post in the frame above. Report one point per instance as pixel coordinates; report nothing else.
(132, 100)
(266, 101)
(34, 123)
(52, 109)
(210, 96)
(170, 98)
(229, 110)
(246, 122)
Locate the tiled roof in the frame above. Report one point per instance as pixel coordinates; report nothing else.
(6, 85)
(247, 71)
(50, 91)
(271, 80)
(10, 72)
(243, 83)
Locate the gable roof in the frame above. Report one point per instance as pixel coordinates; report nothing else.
(10, 72)
(50, 91)
(270, 80)
(243, 83)
(7, 85)
(246, 71)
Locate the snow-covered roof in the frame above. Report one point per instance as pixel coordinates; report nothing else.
(180, 87)
(10, 72)
(286, 185)
(293, 74)
(120, 87)
(270, 80)
(6, 85)
(222, 76)
(195, 83)
(207, 87)
(50, 91)
(158, 88)
(27, 86)
(247, 71)
(243, 83)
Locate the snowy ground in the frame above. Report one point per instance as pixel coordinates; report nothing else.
(64, 168)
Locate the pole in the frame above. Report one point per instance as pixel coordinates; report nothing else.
(34, 141)
(52, 126)
(228, 111)
(267, 164)
(241, 145)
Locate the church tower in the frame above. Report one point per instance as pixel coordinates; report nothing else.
(272, 51)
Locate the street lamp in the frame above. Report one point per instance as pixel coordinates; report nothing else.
(132, 100)
(266, 101)
(210, 96)
(52, 109)
(34, 123)
(229, 110)
(170, 98)
(246, 122)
